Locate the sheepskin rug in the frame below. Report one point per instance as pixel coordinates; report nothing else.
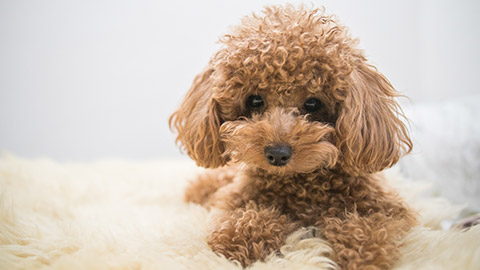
(130, 215)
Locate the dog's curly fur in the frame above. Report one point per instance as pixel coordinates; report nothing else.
(284, 57)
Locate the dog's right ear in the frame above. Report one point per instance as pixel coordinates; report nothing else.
(197, 123)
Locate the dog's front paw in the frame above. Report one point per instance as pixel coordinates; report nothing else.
(249, 234)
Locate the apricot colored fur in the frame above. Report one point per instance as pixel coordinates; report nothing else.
(286, 56)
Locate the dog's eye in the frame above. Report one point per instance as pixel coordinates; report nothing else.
(312, 105)
(254, 102)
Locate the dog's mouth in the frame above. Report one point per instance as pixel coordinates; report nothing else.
(280, 143)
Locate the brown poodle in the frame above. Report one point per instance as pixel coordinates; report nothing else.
(303, 122)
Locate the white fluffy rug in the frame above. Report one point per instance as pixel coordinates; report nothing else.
(130, 215)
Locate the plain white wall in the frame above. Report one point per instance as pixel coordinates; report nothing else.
(82, 80)
(450, 46)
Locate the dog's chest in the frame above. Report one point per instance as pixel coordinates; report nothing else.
(302, 197)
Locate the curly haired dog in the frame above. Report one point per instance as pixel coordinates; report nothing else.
(303, 122)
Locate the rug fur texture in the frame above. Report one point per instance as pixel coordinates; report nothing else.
(131, 215)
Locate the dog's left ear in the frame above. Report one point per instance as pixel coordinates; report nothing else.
(370, 134)
(197, 122)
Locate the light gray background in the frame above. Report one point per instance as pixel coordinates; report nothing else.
(90, 79)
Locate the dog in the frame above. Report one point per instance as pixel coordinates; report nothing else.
(295, 125)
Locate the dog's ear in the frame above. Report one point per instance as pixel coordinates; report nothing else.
(371, 135)
(197, 122)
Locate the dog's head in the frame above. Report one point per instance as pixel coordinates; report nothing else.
(289, 92)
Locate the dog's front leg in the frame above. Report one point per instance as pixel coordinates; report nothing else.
(367, 242)
(249, 233)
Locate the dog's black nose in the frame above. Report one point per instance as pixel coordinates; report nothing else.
(278, 155)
